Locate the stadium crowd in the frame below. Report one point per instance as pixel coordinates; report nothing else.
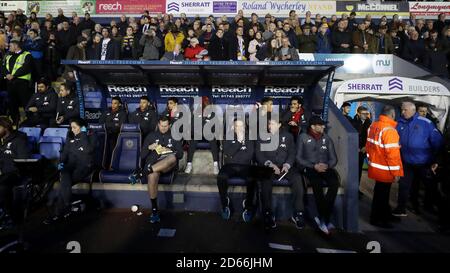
(243, 37)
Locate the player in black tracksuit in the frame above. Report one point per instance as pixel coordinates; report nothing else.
(156, 163)
(113, 120)
(199, 113)
(238, 155)
(171, 111)
(13, 145)
(41, 109)
(76, 163)
(145, 116)
(281, 159)
(68, 107)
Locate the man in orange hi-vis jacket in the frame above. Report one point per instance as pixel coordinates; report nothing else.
(385, 164)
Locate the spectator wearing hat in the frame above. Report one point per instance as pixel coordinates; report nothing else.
(307, 42)
(316, 158)
(195, 52)
(267, 21)
(323, 40)
(361, 39)
(382, 42)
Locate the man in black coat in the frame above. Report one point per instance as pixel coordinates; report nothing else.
(341, 39)
(217, 49)
(236, 45)
(109, 49)
(280, 160)
(13, 145)
(145, 116)
(87, 23)
(66, 38)
(238, 154)
(361, 122)
(41, 109)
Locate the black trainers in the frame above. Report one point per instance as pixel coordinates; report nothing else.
(51, 220)
(269, 221)
(399, 212)
(299, 220)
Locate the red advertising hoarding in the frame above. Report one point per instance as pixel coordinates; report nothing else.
(130, 6)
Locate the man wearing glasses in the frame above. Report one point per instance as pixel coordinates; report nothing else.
(361, 122)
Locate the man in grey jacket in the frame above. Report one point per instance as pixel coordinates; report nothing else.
(151, 44)
(316, 158)
(287, 52)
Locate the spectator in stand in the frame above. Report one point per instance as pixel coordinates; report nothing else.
(52, 57)
(66, 38)
(396, 42)
(361, 39)
(150, 44)
(307, 21)
(236, 46)
(123, 25)
(173, 37)
(429, 27)
(382, 42)
(290, 33)
(108, 49)
(270, 32)
(195, 52)
(440, 24)
(268, 52)
(176, 55)
(35, 45)
(352, 24)
(287, 52)
(61, 18)
(255, 45)
(436, 50)
(130, 45)
(115, 35)
(218, 50)
(306, 42)
(414, 49)
(76, 52)
(412, 20)
(341, 39)
(323, 40)
(206, 36)
(92, 48)
(420, 28)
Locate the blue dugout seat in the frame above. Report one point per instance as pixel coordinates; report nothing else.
(125, 157)
(52, 142)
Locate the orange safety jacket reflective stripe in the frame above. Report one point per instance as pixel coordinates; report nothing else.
(383, 150)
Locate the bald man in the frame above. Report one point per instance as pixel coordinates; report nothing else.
(420, 142)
